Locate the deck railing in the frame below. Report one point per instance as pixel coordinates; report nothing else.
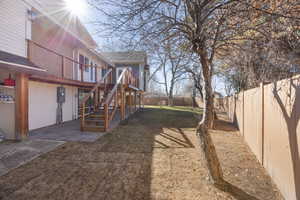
(59, 65)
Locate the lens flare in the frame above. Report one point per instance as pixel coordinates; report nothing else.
(76, 7)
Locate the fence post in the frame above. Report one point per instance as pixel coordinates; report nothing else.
(243, 115)
(262, 122)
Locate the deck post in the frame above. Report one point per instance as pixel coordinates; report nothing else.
(129, 100)
(96, 74)
(140, 100)
(21, 106)
(96, 100)
(135, 101)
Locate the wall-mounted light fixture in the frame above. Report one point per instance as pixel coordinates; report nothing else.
(31, 15)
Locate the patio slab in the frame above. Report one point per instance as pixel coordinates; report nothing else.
(68, 131)
(15, 154)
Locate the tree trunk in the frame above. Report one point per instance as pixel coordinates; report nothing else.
(207, 146)
(170, 97)
(170, 101)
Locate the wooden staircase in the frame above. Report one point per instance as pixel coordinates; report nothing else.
(95, 122)
(107, 101)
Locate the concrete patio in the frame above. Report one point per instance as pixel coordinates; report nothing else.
(68, 131)
(15, 154)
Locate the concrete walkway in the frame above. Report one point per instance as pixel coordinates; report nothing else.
(14, 154)
(68, 131)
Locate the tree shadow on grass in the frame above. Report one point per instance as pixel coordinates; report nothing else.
(235, 191)
(292, 119)
(221, 124)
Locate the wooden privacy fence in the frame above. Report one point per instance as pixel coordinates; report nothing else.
(268, 119)
(177, 101)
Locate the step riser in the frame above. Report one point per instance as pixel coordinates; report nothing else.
(93, 129)
(94, 123)
(95, 117)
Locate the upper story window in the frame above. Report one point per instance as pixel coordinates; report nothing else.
(93, 70)
(81, 61)
(104, 71)
(87, 64)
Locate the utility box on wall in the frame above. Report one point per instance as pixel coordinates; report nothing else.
(61, 95)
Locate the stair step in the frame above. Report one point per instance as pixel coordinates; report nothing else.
(96, 116)
(93, 128)
(94, 120)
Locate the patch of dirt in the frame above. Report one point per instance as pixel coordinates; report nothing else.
(154, 156)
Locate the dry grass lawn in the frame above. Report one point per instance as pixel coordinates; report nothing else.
(154, 156)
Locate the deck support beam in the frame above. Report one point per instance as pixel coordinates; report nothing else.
(135, 102)
(140, 100)
(21, 106)
(82, 122)
(96, 98)
(130, 101)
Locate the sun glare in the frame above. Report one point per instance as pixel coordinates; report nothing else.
(76, 7)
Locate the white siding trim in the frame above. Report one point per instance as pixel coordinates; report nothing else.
(14, 26)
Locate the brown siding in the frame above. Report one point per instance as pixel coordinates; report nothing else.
(56, 39)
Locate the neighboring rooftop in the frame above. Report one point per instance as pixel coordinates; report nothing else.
(126, 56)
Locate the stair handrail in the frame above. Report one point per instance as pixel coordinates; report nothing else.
(95, 87)
(109, 98)
(113, 91)
(82, 123)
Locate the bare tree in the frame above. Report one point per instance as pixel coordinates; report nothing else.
(173, 62)
(208, 28)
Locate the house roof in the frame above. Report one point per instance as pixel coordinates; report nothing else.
(17, 63)
(127, 57)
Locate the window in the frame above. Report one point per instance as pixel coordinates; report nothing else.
(92, 71)
(81, 61)
(119, 71)
(104, 71)
(86, 62)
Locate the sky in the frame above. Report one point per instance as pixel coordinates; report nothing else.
(88, 15)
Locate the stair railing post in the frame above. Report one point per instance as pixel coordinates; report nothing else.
(82, 116)
(122, 103)
(106, 119)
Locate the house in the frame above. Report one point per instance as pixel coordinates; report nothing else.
(136, 61)
(51, 73)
